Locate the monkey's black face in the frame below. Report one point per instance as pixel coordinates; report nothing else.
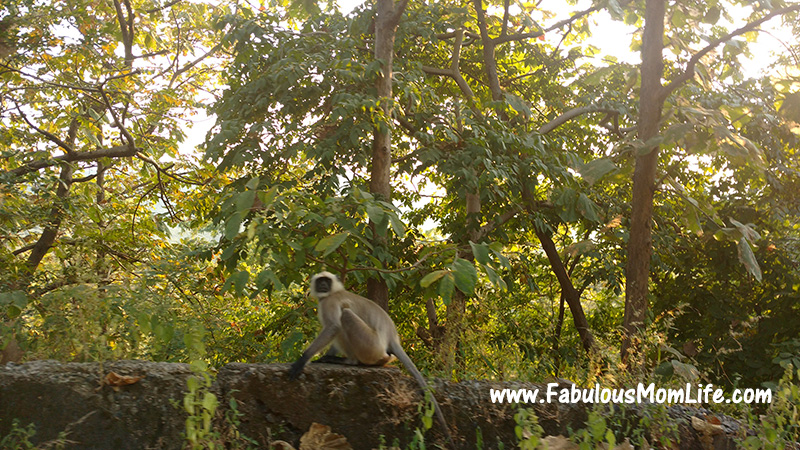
(323, 285)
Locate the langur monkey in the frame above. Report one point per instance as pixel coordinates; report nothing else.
(358, 328)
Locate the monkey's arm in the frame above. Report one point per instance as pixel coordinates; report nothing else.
(325, 337)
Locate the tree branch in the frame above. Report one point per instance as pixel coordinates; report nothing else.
(516, 37)
(576, 16)
(506, 12)
(50, 232)
(454, 71)
(165, 171)
(399, 9)
(488, 53)
(498, 221)
(688, 74)
(47, 82)
(119, 151)
(50, 136)
(189, 65)
(125, 134)
(161, 8)
(571, 114)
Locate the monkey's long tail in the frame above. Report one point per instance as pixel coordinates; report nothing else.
(403, 357)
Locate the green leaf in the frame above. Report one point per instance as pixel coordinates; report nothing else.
(466, 276)
(13, 312)
(210, 402)
(268, 197)
(587, 208)
(376, 214)
(692, 221)
(238, 280)
(494, 278)
(398, 226)
(596, 424)
(244, 201)
(747, 258)
(447, 287)
(328, 245)
(748, 232)
(16, 299)
(267, 278)
(252, 184)
(233, 225)
(615, 10)
(497, 249)
(596, 169)
(610, 439)
(712, 15)
(686, 371)
(430, 278)
(518, 104)
(481, 252)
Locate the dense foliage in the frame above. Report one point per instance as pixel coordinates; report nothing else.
(514, 143)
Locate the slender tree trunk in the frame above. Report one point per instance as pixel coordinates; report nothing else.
(637, 272)
(568, 291)
(50, 232)
(557, 333)
(100, 266)
(386, 19)
(457, 308)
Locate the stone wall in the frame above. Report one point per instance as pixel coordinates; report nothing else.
(365, 405)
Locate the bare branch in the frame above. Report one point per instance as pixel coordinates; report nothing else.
(571, 114)
(126, 28)
(128, 138)
(150, 55)
(516, 37)
(576, 16)
(50, 136)
(454, 71)
(50, 232)
(498, 221)
(161, 8)
(119, 151)
(85, 179)
(437, 71)
(488, 53)
(22, 250)
(399, 9)
(47, 82)
(165, 171)
(192, 63)
(506, 12)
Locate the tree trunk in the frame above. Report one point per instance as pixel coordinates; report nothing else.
(457, 308)
(568, 291)
(637, 272)
(386, 19)
(50, 232)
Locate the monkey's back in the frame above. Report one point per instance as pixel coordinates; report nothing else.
(372, 314)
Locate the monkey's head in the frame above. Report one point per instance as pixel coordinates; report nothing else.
(324, 284)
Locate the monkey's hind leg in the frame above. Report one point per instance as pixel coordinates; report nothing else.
(331, 357)
(362, 341)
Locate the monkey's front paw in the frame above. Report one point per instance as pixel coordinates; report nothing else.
(296, 369)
